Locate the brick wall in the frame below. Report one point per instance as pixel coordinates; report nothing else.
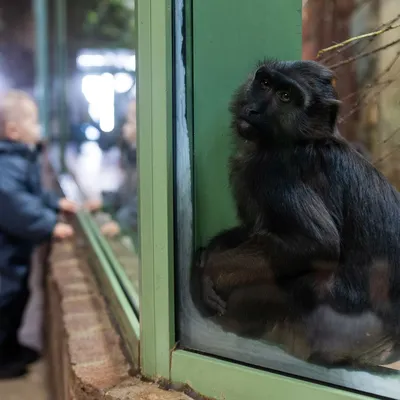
(86, 359)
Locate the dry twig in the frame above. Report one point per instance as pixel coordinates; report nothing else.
(369, 41)
(356, 38)
(365, 54)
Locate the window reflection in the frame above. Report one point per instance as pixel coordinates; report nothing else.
(122, 203)
(100, 130)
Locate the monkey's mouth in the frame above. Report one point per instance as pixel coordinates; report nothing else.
(244, 124)
(246, 128)
(246, 120)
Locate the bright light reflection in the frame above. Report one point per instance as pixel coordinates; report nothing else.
(99, 93)
(90, 60)
(92, 87)
(92, 133)
(91, 155)
(107, 122)
(108, 59)
(123, 82)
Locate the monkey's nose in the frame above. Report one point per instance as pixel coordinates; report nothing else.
(253, 111)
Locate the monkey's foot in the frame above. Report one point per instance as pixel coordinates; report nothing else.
(211, 298)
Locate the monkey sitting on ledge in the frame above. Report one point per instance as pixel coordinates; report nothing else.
(316, 257)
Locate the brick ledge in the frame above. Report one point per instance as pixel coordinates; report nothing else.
(85, 352)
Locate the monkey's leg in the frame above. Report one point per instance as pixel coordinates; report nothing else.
(262, 311)
(225, 255)
(202, 288)
(269, 313)
(266, 302)
(228, 239)
(226, 270)
(225, 240)
(348, 338)
(243, 265)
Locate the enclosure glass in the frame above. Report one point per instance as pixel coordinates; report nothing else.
(209, 77)
(94, 129)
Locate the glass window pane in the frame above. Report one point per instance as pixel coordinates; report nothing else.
(94, 133)
(261, 323)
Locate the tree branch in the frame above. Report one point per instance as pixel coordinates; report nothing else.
(370, 40)
(365, 54)
(352, 39)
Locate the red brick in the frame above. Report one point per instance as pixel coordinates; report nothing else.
(87, 361)
(75, 323)
(73, 290)
(102, 375)
(82, 304)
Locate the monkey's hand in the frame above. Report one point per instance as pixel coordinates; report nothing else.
(211, 298)
(202, 280)
(200, 258)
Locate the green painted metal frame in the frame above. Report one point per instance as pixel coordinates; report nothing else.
(225, 380)
(207, 375)
(155, 164)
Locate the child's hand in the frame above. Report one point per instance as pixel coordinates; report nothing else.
(68, 206)
(63, 231)
(93, 205)
(110, 229)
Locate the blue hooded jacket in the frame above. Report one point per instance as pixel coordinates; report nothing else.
(27, 213)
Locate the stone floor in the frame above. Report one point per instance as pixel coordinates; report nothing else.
(31, 387)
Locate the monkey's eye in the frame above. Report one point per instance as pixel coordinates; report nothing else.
(284, 96)
(265, 83)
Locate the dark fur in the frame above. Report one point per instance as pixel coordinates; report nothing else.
(319, 235)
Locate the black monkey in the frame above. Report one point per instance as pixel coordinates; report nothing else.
(317, 252)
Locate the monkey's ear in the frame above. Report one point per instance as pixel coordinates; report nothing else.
(333, 82)
(331, 101)
(333, 105)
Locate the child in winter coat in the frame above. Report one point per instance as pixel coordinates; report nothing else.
(28, 216)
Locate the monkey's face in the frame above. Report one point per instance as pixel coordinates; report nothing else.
(283, 102)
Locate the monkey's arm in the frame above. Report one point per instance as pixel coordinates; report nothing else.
(231, 259)
(308, 231)
(308, 234)
(234, 257)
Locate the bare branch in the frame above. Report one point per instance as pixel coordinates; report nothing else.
(365, 54)
(388, 68)
(369, 41)
(356, 38)
(391, 136)
(387, 155)
(379, 79)
(368, 96)
(376, 81)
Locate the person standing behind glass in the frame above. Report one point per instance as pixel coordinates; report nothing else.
(122, 203)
